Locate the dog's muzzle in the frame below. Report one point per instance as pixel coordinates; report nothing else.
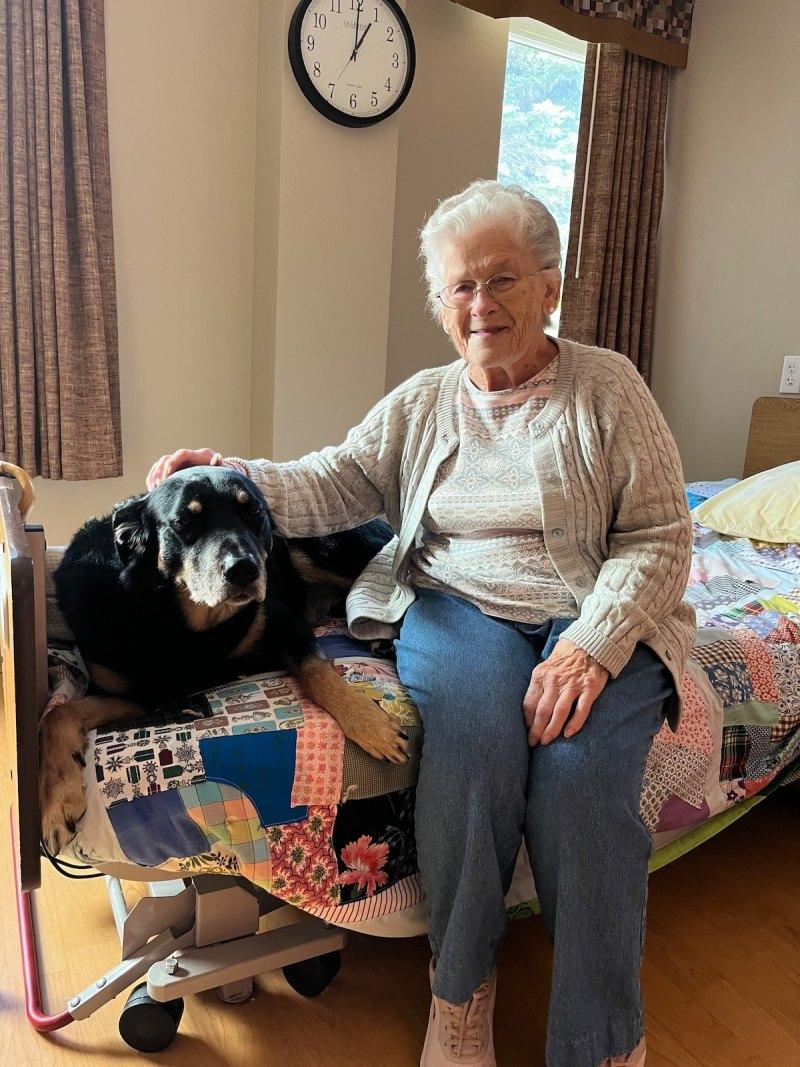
(244, 577)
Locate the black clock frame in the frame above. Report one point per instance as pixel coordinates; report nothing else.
(309, 89)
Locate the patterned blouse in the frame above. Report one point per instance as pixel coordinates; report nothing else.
(482, 529)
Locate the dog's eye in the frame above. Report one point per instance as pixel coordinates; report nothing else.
(248, 507)
(182, 522)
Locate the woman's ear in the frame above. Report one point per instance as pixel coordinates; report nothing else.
(131, 529)
(551, 294)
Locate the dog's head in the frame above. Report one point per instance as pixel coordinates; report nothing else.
(206, 531)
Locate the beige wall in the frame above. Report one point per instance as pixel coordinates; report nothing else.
(335, 227)
(181, 103)
(727, 307)
(269, 120)
(449, 135)
(267, 274)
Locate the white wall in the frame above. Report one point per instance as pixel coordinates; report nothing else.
(728, 306)
(182, 109)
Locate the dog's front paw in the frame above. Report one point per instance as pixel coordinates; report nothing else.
(61, 790)
(375, 731)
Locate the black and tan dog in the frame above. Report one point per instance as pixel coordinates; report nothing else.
(188, 587)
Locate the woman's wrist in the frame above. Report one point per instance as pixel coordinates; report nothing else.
(235, 464)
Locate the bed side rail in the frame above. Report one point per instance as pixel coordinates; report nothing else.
(23, 646)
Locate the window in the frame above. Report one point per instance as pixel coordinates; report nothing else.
(541, 112)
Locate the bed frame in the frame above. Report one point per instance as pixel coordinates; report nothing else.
(202, 931)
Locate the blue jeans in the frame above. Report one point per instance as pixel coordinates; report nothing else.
(575, 801)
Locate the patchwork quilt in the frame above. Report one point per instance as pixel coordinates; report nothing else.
(253, 779)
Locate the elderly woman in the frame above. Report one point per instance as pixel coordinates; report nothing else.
(535, 588)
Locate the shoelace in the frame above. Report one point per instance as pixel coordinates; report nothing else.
(463, 1024)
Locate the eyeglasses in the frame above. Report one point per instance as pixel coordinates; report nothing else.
(462, 294)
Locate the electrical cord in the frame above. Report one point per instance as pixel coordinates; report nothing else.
(60, 864)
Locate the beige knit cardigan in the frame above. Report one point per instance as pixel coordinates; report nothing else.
(615, 516)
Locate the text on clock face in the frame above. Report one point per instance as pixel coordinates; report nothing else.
(355, 53)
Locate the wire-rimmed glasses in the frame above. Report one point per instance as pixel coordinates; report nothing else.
(461, 294)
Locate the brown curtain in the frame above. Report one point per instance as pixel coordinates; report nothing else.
(609, 273)
(655, 29)
(59, 374)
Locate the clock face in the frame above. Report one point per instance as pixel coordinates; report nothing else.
(353, 59)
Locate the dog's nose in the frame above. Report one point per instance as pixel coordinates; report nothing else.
(241, 572)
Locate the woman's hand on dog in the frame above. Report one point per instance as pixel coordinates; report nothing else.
(184, 457)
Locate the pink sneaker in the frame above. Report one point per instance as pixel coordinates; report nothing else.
(462, 1033)
(633, 1059)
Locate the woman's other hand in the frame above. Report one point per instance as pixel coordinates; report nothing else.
(568, 675)
(184, 457)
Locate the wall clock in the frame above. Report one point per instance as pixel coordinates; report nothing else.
(354, 60)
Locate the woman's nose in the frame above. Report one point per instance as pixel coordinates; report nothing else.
(483, 301)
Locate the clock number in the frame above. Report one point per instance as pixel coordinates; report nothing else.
(353, 101)
(337, 9)
(310, 41)
(317, 71)
(320, 21)
(331, 86)
(376, 14)
(395, 60)
(390, 33)
(356, 5)
(388, 84)
(374, 99)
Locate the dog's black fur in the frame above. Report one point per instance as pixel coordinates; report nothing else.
(120, 588)
(188, 587)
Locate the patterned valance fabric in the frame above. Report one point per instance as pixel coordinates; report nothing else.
(654, 29)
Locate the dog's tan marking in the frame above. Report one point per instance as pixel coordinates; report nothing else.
(202, 617)
(62, 744)
(310, 572)
(105, 678)
(359, 717)
(242, 496)
(195, 505)
(253, 635)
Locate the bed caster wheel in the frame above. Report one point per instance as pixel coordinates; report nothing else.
(147, 1025)
(310, 977)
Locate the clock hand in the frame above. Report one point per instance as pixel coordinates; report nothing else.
(355, 39)
(355, 50)
(344, 68)
(363, 35)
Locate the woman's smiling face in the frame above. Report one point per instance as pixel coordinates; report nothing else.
(498, 334)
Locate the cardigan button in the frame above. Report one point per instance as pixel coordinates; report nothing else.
(581, 582)
(558, 532)
(668, 654)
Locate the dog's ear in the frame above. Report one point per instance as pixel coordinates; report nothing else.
(131, 529)
(267, 532)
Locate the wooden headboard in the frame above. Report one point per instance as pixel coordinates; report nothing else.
(774, 436)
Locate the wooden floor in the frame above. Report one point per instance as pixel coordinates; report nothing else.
(722, 974)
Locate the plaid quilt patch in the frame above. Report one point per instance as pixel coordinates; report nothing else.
(227, 816)
(735, 750)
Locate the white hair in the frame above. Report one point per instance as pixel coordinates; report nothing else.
(486, 202)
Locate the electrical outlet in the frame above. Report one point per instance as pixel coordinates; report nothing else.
(790, 378)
